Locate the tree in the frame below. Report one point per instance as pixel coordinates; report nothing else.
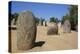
(53, 19)
(72, 16)
(37, 20)
(73, 13)
(66, 17)
(14, 16)
(42, 21)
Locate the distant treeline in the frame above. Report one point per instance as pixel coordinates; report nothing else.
(72, 16)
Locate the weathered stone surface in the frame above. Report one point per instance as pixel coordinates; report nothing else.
(59, 24)
(12, 22)
(39, 23)
(45, 23)
(53, 29)
(26, 30)
(67, 26)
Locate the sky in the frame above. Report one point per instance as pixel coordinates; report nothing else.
(41, 10)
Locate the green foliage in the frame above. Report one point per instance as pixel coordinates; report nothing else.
(72, 16)
(14, 16)
(66, 17)
(53, 19)
(73, 11)
(37, 20)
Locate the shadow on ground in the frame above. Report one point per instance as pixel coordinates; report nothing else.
(39, 44)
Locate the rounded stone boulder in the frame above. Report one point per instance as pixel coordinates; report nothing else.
(26, 30)
(53, 29)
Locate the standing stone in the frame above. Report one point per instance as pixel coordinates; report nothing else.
(41, 22)
(26, 31)
(67, 26)
(45, 23)
(59, 24)
(53, 29)
(12, 22)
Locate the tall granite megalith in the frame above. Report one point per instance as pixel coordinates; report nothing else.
(26, 30)
(67, 26)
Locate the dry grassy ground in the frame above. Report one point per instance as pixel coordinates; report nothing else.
(62, 41)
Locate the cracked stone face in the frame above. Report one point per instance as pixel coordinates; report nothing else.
(26, 30)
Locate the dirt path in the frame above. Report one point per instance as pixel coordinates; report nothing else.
(62, 41)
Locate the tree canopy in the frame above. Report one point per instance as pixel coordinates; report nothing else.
(72, 16)
(53, 19)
